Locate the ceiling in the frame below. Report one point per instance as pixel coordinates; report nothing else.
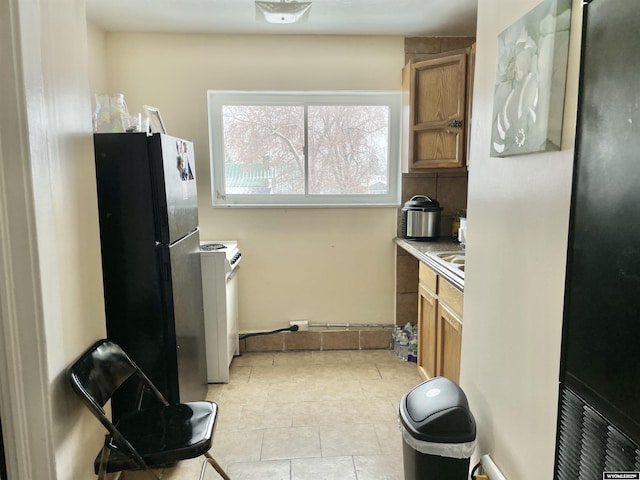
(326, 17)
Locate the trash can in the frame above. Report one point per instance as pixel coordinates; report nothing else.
(438, 431)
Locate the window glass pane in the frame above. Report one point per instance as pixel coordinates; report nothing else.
(348, 149)
(263, 149)
(258, 148)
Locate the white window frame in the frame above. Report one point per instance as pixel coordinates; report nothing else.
(218, 98)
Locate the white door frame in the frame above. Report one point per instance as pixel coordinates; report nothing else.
(24, 379)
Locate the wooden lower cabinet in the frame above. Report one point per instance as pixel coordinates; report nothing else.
(427, 332)
(439, 326)
(449, 343)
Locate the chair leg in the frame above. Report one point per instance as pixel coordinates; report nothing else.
(210, 460)
(104, 457)
(153, 474)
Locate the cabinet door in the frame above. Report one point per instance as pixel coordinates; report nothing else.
(427, 333)
(471, 68)
(436, 134)
(449, 343)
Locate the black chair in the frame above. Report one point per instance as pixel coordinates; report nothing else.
(146, 438)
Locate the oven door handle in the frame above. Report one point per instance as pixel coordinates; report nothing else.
(232, 273)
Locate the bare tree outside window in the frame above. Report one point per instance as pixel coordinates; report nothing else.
(348, 149)
(263, 149)
(304, 148)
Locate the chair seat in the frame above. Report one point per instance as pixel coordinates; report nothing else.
(165, 435)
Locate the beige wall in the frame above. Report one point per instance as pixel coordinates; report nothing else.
(75, 318)
(518, 211)
(97, 60)
(55, 243)
(323, 265)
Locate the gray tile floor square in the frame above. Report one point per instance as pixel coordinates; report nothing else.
(328, 415)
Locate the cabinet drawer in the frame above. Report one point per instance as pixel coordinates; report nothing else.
(428, 278)
(450, 295)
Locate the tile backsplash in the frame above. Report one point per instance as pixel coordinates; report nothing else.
(449, 189)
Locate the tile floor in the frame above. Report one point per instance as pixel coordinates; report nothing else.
(322, 415)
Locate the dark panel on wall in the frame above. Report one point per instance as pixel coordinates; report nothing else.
(602, 305)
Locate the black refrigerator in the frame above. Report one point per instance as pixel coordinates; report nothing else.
(599, 411)
(151, 260)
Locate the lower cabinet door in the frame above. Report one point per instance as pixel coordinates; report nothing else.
(449, 343)
(427, 332)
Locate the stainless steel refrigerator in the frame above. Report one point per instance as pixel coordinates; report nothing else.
(150, 260)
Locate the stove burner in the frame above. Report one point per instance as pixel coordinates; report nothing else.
(211, 247)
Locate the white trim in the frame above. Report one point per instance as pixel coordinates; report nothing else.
(219, 198)
(24, 379)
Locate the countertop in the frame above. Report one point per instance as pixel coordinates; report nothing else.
(420, 250)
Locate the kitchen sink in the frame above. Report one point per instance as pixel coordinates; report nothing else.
(451, 261)
(452, 258)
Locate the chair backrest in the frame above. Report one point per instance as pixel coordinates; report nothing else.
(96, 376)
(98, 373)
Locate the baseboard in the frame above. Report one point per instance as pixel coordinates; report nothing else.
(319, 340)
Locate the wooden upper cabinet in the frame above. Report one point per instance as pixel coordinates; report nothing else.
(434, 112)
(471, 68)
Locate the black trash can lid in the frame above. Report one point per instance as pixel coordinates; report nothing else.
(437, 411)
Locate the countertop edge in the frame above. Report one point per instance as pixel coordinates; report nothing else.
(420, 249)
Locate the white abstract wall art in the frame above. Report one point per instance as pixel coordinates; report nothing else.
(531, 75)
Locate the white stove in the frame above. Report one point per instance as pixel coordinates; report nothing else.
(220, 264)
(229, 248)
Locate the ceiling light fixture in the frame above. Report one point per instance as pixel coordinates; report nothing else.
(283, 11)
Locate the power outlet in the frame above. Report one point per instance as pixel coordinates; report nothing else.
(302, 324)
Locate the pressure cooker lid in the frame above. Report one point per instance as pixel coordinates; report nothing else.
(423, 202)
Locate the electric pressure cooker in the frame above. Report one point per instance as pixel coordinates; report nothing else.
(421, 218)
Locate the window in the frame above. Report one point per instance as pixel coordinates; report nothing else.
(304, 148)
